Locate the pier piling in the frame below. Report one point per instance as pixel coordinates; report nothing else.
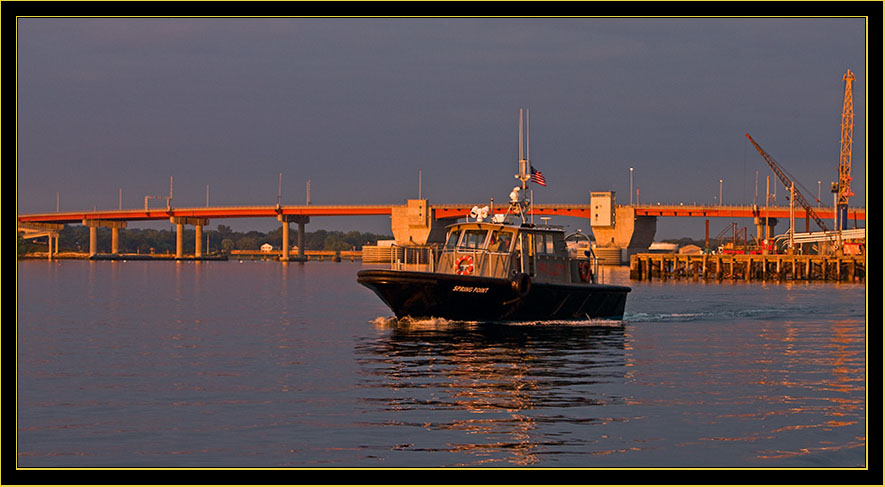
(846, 268)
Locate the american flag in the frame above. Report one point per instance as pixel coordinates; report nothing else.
(537, 177)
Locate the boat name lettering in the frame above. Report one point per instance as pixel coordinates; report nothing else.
(470, 289)
(551, 268)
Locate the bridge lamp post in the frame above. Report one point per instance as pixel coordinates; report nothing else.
(631, 186)
(720, 192)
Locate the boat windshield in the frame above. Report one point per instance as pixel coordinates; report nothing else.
(473, 239)
(452, 241)
(501, 240)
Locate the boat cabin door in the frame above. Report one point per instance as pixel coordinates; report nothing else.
(527, 253)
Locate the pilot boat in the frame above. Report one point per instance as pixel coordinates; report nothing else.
(501, 269)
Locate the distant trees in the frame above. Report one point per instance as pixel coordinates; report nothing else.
(221, 239)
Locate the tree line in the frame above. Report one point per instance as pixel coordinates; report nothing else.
(75, 238)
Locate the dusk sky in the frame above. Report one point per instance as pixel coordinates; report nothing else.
(360, 105)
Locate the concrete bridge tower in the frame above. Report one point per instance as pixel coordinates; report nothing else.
(619, 228)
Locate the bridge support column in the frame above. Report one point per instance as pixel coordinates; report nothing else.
(35, 230)
(301, 224)
(301, 220)
(284, 257)
(93, 241)
(198, 239)
(627, 231)
(115, 240)
(764, 231)
(179, 240)
(180, 222)
(115, 227)
(414, 224)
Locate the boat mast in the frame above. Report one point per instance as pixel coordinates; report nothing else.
(523, 166)
(520, 204)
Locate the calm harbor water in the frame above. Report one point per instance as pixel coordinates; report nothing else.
(259, 364)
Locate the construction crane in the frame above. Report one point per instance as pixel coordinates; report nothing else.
(843, 187)
(787, 182)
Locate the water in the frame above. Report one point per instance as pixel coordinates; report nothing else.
(259, 364)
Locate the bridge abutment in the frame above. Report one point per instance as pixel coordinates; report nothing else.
(414, 224)
(626, 231)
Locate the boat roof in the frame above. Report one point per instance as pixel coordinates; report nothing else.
(514, 226)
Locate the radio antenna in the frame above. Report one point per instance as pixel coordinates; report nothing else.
(523, 166)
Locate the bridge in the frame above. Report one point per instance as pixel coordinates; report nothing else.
(417, 222)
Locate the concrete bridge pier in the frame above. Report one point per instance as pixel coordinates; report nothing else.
(632, 232)
(115, 227)
(35, 230)
(52, 237)
(414, 224)
(764, 231)
(180, 222)
(301, 220)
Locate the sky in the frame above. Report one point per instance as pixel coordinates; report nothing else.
(362, 106)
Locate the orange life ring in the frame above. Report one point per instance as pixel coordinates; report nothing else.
(464, 265)
(584, 269)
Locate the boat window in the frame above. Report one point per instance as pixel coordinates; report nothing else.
(545, 243)
(500, 241)
(473, 239)
(539, 243)
(453, 239)
(559, 245)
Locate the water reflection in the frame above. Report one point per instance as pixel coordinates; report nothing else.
(823, 370)
(494, 390)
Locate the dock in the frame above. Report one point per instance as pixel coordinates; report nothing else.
(776, 268)
(320, 255)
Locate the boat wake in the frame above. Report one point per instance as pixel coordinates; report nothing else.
(725, 314)
(441, 323)
(629, 317)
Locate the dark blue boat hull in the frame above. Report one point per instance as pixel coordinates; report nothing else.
(470, 298)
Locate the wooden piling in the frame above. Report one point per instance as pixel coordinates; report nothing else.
(748, 267)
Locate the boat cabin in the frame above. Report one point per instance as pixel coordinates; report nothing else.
(504, 250)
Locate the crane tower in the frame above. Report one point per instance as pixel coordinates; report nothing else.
(843, 188)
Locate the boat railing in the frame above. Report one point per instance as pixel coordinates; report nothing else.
(594, 262)
(589, 254)
(475, 262)
(422, 258)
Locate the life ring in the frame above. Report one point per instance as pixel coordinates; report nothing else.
(584, 270)
(521, 284)
(464, 265)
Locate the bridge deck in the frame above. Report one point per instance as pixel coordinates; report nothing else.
(440, 211)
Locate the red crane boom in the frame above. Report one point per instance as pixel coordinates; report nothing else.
(787, 182)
